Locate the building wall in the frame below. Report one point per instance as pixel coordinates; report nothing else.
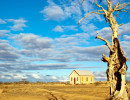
(76, 79)
(87, 79)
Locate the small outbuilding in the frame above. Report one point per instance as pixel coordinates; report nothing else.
(81, 77)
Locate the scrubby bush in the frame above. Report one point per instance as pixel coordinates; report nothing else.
(1, 82)
(7, 83)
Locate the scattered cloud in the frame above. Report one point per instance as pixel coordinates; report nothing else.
(32, 77)
(100, 76)
(18, 24)
(73, 10)
(124, 29)
(58, 12)
(126, 47)
(3, 32)
(54, 12)
(72, 40)
(65, 28)
(126, 37)
(49, 66)
(7, 52)
(2, 21)
(31, 41)
(91, 53)
(70, 27)
(36, 76)
(105, 32)
(58, 29)
(88, 28)
(8, 56)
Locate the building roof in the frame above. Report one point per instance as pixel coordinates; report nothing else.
(84, 72)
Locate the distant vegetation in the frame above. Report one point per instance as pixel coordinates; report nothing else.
(28, 82)
(40, 82)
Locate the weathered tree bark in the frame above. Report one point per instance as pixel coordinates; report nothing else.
(116, 61)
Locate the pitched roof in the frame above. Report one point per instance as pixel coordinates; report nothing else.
(84, 72)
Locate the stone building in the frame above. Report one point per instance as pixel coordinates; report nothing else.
(81, 77)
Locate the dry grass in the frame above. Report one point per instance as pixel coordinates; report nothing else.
(51, 91)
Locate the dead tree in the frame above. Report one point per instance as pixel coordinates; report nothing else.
(116, 61)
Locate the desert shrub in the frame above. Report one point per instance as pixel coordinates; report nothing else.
(26, 82)
(1, 82)
(5, 91)
(97, 83)
(7, 83)
(16, 82)
(127, 81)
(67, 83)
(39, 82)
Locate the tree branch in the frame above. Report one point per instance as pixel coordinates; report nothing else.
(89, 14)
(105, 40)
(121, 24)
(105, 12)
(119, 5)
(104, 58)
(108, 1)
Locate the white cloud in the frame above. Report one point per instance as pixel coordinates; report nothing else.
(105, 32)
(126, 48)
(60, 12)
(100, 76)
(88, 28)
(126, 37)
(32, 77)
(64, 28)
(19, 76)
(3, 32)
(5, 77)
(70, 27)
(36, 76)
(64, 79)
(58, 29)
(72, 40)
(53, 12)
(2, 21)
(31, 41)
(18, 24)
(124, 29)
(94, 51)
(73, 10)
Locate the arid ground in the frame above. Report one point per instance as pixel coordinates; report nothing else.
(51, 91)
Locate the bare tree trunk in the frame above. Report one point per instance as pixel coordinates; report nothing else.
(116, 61)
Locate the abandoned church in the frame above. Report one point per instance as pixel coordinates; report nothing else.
(81, 77)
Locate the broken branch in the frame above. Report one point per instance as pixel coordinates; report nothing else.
(105, 12)
(88, 15)
(105, 40)
(104, 58)
(121, 24)
(118, 5)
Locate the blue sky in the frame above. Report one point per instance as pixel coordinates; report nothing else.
(40, 40)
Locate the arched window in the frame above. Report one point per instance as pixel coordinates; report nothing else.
(71, 79)
(86, 78)
(77, 78)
